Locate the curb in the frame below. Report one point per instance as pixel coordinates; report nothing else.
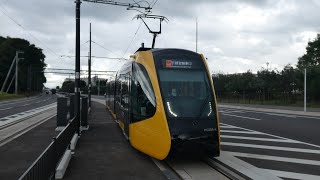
(314, 114)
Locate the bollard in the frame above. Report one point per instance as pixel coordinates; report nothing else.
(84, 113)
(71, 106)
(62, 112)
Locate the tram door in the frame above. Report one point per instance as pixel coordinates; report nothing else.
(126, 102)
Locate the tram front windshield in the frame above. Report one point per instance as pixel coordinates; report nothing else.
(186, 92)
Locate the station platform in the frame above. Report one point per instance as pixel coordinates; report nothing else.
(102, 152)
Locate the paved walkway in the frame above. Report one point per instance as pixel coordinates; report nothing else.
(103, 153)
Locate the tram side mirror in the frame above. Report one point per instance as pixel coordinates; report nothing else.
(133, 56)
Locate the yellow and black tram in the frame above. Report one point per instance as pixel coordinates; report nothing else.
(164, 99)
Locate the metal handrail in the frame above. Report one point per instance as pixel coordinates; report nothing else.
(44, 166)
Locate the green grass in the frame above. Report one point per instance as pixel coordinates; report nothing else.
(6, 96)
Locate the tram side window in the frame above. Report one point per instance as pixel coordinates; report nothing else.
(143, 98)
(118, 88)
(125, 91)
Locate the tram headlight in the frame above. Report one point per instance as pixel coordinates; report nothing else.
(169, 108)
(210, 110)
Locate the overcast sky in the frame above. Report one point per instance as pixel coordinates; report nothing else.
(235, 35)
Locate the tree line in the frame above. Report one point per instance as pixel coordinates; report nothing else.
(68, 86)
(31, 67)
(284, 86)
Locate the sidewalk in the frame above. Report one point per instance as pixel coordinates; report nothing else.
(274, 109)
(103, 152)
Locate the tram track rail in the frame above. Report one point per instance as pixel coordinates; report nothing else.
(205, 168)
(14, 129)
(225, 170)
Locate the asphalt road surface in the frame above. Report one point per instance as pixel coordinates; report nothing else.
(283, 144)
(17, 106)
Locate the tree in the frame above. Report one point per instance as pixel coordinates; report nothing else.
(311, 61)
(312, 57)
(67, 86)
(33, 59)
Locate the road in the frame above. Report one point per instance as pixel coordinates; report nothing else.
(282, 144)
(286, 144)
(15, 107)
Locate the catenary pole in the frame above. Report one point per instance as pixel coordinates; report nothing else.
(77, 67)
(89, 69)
(196, 34)
(305, 90)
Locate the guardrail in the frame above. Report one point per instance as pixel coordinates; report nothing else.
(45, 165)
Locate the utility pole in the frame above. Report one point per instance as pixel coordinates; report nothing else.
(8, 74)
(11, 83)
(305, 90)
(77, 59)
(196, 34)
(29, 75)
(267, 66)
(89, 69)
(98, 85)
(77, 67)
(17, 69)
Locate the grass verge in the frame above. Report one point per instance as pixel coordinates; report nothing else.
(6, 96)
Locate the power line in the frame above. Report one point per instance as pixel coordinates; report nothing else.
(132, 39)
(154, 4)
(60, 69)
(97, 57)
(5, 12)
(106, 49)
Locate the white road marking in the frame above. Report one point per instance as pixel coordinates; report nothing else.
(275, 158)
(242, 132)
(227, 127)
(241, 117)
(6, 108)
(245, 168)
(283, 115)
(10, 119)
(313, 145)
(283, 174)
(313, 151)
(292, 175)
(260, 139)
(276, 114)
(237, 111)
(26, 104)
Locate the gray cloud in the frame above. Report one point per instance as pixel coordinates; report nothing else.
(235, 35)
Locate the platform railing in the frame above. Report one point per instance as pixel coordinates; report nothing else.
(45, 165)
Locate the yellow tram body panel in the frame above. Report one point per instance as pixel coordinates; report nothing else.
(151, 136)
(215, 97)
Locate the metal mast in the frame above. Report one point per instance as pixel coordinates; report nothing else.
(89, 66)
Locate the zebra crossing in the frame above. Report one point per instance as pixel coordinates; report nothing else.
(282, 157)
